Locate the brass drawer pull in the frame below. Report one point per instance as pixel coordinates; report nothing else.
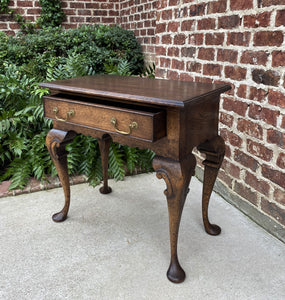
(133, 125)
(68, 114)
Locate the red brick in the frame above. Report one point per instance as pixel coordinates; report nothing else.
(238, 38)
(231, 169)
(265, 3)
(24, 3)
(177, 64)
(166, 39)
(67, 26)
(276, 98)
(269, 77)
(187, 25)
(92, 5)
(278, 58)
(231, 137)
(259, 150)
(228, 152)
(240, 4)
(197, 10)
(76, 19)
(279, 196)
(203, 79)
(161, 4)
(186, 77)
(274, 175)
(280, 17)
(260, 20)
(276, 137)
(77, 5)
(206, 53)
(214, 39)
(257, 94)
(212, 69)
(283, 122)
(179, 39)
(273, 210)
(246, 193)
(224, 176)
(206, 24)
(34, 11)
(226, 119)
(172, 75)
(173, 26)
(246, 160)
(236, 73)
(236, 106)
(4, 188)
(84, 12)
(193, 66)
(4, 26)
(250, 128)
(281, 163)
(242, 91)
(196, 39)
(267, 115)
(227, 55)
(188, 51)
(159, 50)
(254, 57)
(160, 72)
(217, 7)
(258, 184)
(161, 27)
(14, 26)
(173, 51)
(268, 38)
(166, 14)
(165, 62)
(173, 2)
(229, 22)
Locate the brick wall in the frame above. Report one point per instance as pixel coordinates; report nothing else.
(89, 11)
(30, 9)
(137, 15)
(140, 17)
(240, 42)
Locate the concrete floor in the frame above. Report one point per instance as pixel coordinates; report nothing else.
(116, 246)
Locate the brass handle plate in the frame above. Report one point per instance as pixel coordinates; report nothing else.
(68, 114)
(133, 125)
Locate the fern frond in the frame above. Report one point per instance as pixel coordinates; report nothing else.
(131, 157)
(21, 172)
(116, 162)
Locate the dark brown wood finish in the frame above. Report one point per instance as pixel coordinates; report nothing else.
(169, 117)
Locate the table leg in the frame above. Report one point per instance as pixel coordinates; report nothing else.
(104, 145)
(177, 175)
(56, 141)
(215, 151)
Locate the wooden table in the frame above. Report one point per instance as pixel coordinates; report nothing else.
(169, 117)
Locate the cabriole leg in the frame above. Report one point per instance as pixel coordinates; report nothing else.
(104, 145)
(215, 151)
(177, 177)
(56, 141)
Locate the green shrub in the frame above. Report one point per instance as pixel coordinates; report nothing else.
(51, 54)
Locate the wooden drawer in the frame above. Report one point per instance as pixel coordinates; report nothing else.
(146, 123)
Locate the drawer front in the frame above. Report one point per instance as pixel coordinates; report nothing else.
(139, 124)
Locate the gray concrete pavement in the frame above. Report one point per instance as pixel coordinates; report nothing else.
(116, 246)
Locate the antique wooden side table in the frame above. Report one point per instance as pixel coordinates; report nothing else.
(169, 117)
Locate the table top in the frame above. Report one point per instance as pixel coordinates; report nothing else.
(170, 93)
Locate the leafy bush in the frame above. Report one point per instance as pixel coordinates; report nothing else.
(52, 15)
(51, 54)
